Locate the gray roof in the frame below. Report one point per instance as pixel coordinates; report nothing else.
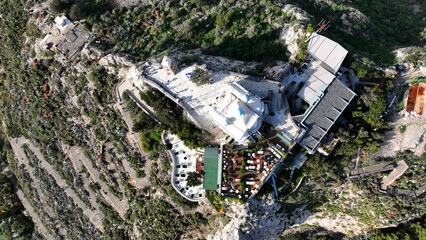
(74, 39)
(324, 113)
(327, 51)
(298, 118)
(315, 84)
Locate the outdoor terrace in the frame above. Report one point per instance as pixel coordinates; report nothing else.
(257, 164)
(185, 160)
(198, 100)
(280, 140)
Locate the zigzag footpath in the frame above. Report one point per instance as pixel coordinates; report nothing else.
(134, 137)
(78, 168)
(17, 147)
(122, 206)
(36, 184)
(30, 210)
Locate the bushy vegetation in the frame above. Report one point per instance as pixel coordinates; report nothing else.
(186, 205)
(367, 122)
(312, 233)
(414, 178)
(79, 9)
(193, 179)
(412, 230)
(365, 130)
(172, 116)
(416, 54)
(200, 76)
(104, 83)
(149, 130)
(158, 214)
(37, 104)
(13, 223)
(215, 199)
(373, 32)
(217, 27)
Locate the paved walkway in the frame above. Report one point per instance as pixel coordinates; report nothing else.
(398, 170)
(78, 168)
(30, 210)
(22, 159)
(141, 104)
(406, 193)
(197, 99)
(372, 169)
(396, 173)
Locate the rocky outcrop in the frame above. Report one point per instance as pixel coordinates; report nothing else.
(257, 219)
(351, 18)
(291, 32)
(130, 3)
(277, 72)
(264, 220)
(116, 60)
(402, 53)
(238, 214)
(295, 11)
(412, 139)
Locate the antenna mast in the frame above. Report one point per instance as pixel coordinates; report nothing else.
(322, 27)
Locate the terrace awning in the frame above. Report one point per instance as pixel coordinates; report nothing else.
(211, 165)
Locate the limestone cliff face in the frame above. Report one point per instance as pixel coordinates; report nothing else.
(253, 220)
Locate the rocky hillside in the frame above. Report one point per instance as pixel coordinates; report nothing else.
(84, 171)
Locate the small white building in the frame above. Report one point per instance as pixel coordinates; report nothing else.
(239, 113)
(169, 65)
(57, 34)
(62, 22)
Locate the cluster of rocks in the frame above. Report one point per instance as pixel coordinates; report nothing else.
(256, 219)
(291, 32)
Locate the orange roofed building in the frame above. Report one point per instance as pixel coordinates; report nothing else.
(416, 101)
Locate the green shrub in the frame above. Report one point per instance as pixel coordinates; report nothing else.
(402, 128)
(200, 76)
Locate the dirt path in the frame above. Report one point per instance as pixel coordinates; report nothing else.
(120, 206)
(30, 210)
(78, 168)
(133, 137)
(36, 184)
(17, 147)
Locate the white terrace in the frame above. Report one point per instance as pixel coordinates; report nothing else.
(201, 98)
(184, 162)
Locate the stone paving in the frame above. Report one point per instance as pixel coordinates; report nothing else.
(371, 169)
(396, 173)
(199, 99)
(184, 162)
